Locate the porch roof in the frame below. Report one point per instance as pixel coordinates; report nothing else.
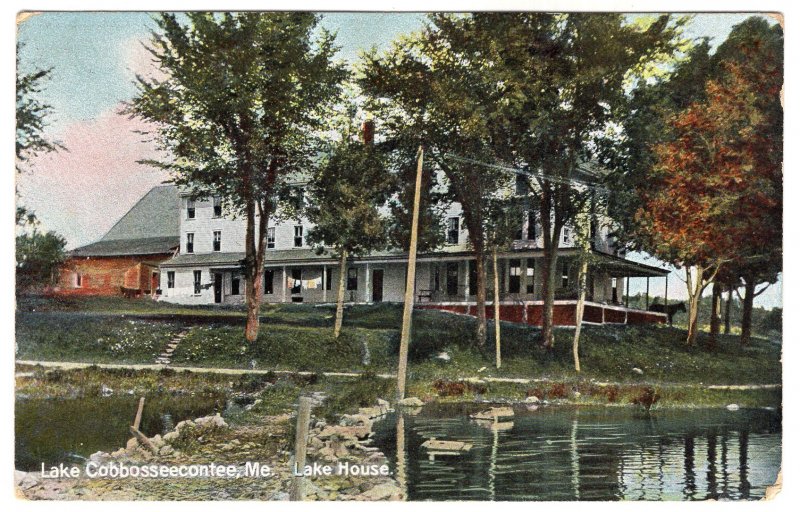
(620, 267)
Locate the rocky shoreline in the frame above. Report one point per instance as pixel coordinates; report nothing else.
(211, 440)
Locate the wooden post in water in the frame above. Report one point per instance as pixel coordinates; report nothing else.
(138, 419)
(408, 305)
(300, 443)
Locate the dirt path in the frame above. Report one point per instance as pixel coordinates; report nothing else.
(242, 371)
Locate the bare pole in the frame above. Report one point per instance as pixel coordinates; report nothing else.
(297, 491)
(408, 306)
(498, 360)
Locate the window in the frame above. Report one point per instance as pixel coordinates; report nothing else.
(530, 269)
(451, 278)
(436, 279)
(522, 185)
(352, 279)
(269, 280)
(170, 279)
(217, 207)
(328, 278)
(564, 275)
(614, 293)
(235, 285)
(271, 238)
(514, 275)
(531, 225)
(190, 242)
(565, 235)
(78, 280)
(298, 236)
(297, 280)
(217, 241)
(473, 278)
(452, 230)
(198, 275)
(190, 208)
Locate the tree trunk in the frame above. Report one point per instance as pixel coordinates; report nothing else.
(337, 325)
(728, 310)
(579, 311)
(716, 298)
(480, 297)
(496, 308)
(550, 233)
(695, 290)
(747, 308)
(255, 242)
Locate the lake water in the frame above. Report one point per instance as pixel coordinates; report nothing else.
(51, 431)
(597, 453)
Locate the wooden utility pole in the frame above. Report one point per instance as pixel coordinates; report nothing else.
(496, 308)
(408, 306)
(297, 492)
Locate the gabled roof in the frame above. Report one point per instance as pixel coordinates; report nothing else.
(151, 226)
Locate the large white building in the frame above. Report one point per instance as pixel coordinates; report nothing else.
(206, 269)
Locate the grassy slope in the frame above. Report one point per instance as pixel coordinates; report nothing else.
(299, 337)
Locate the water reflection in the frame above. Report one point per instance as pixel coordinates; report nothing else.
(586, 454)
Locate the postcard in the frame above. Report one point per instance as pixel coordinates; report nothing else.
(398, 256)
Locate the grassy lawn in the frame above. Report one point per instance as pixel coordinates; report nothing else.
(299, 337)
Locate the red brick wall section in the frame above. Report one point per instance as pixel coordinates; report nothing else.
(106, 276)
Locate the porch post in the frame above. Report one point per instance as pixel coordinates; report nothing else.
(284, 284)
(466, 282)
(627, 291)
(666, 287)
(647, 294)
(367, 295)
(324, 283)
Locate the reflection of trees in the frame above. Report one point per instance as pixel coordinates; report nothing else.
(690, 487)
(744, 484)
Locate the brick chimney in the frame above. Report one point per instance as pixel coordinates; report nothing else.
(368, 131)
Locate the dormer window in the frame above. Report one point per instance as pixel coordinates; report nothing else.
(217, 241)
(271, 238)
(452, 230)
(298, 236)
(190, 208)
(565, 236)
(531, 225)
(189, 243)
(217, 207)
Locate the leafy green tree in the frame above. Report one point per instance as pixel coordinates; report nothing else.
(39, 256)
(560, 81)
(237, 107)
(428, 89)
(345, 193)
(32, 116)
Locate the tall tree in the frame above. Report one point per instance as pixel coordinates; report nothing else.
(719, 186)
(346, 193)
(32, 114)
(427, 88)
(562, 80)
(237, 107)
(39, 256)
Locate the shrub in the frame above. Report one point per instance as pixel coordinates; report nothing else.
(647, 397)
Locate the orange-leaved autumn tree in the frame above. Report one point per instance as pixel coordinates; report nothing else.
(718, 186)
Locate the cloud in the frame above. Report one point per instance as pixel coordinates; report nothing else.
(81, 192)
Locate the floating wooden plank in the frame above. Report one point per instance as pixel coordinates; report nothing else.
(446, 446)
(138, 420)
(144, 441)
(494, 412)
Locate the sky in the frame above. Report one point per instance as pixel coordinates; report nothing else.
(81, 192)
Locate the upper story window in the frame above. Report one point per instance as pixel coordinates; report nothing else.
(190, 208)
(565, 235)
(452, 230)
(531, 225)
(271, 238)
(217, 207)
(521, 185)
(298, 236)
(217, 241)
(190, 242)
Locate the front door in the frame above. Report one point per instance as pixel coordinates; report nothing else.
(377, 285)
(452, 278)
(217, 288)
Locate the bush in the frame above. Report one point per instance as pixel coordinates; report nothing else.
(647, 397)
